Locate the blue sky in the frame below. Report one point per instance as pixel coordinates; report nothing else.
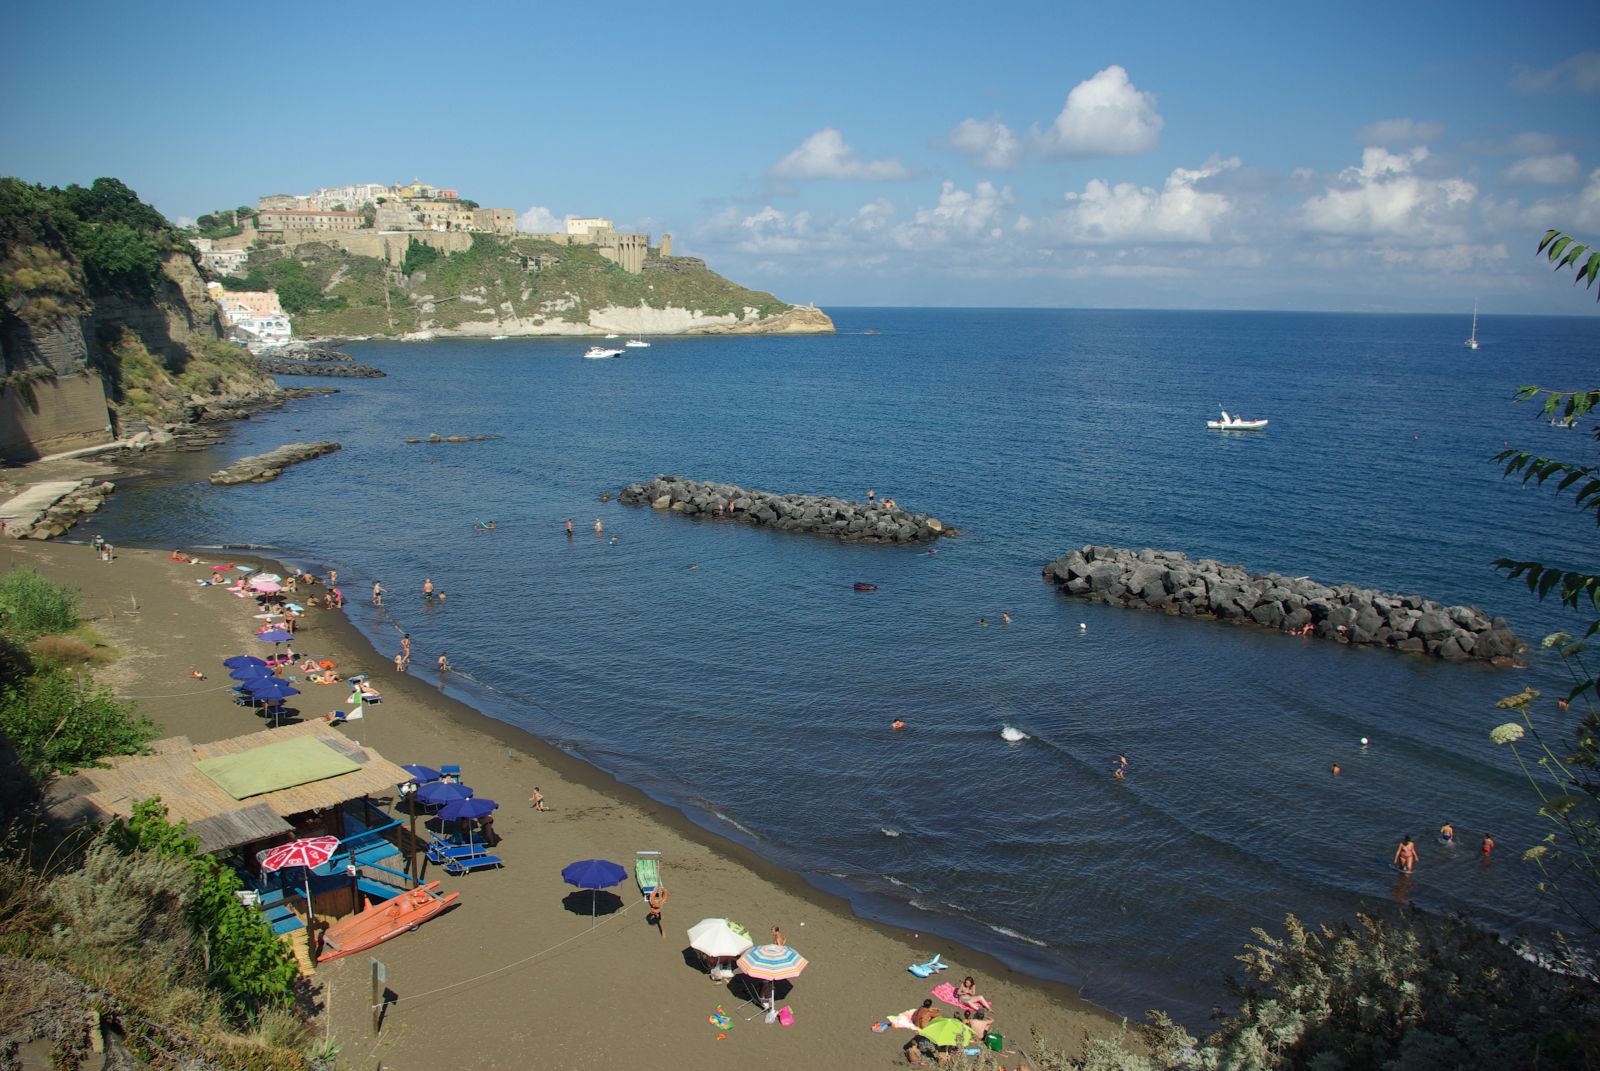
(1357, 156)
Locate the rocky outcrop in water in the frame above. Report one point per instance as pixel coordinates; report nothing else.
(456, 439)
(1168, 581)
(290, 366)
(816, 514)
(265, 467)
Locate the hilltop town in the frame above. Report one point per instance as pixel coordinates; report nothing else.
(330, 261)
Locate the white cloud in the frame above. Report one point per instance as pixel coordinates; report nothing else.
(874, 215)
(824, 155)
(1399, 133)
(1578, 74)
(1544, 170)
(1105, 115)
(1178, 212)
(959, 216)
(989, 142)
(539, 220)
(1384, 196)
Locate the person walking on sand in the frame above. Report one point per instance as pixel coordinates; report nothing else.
(777, 937)
(655, 902)
(377, 593)
(1405, 856)
(537, 799)
(427, 588)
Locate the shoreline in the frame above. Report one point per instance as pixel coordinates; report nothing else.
(708, 873)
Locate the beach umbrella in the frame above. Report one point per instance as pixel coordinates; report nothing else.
(443, 792)
(474, 808)
(251, 673)
(273, 635)
(423, 774)
(274, 577)
(266, 587)
(270, 687)
(306, 852)
(719, 938)
(593, 874)
(947, 1032)
(772, 963)
(240, 660)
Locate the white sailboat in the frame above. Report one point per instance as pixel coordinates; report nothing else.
(637, 344)
(1472, 343)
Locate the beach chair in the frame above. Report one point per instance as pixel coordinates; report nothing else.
(470, 863)
(442, 851)
(646, 871)
(933, 966)
(450, 772)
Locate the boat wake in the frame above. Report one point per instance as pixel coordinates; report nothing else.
(1013, 736)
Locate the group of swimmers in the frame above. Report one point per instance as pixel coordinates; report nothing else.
(1405, 855)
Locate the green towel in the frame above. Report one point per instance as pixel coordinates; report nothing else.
(645, 871)
(276, 766)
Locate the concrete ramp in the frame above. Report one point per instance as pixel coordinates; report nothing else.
(26, 508)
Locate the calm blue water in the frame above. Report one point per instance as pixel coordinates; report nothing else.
(755, 691)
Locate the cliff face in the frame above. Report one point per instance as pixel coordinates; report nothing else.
(104, 317)
(520, 286)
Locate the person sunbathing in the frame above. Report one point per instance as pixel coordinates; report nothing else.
(368, 692)
(310, 665)
(327, 676)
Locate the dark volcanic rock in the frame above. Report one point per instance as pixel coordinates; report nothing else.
(1168, 581)
(851, 522)
(268, 466)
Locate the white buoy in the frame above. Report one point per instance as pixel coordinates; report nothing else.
(1082, 627)
(1363, 741)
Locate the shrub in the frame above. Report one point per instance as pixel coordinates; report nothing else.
(247, 964)
(32, 606)
(59, 721)
(65, 651)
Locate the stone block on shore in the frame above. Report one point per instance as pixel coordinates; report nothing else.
(1169, 582)
(851, 522)
(265, 467)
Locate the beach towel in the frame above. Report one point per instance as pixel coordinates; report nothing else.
(903, 1020)
(947, 993)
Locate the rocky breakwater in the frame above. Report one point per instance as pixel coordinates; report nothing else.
(816, 514)
(1169, 582)
(264, 467)
(313, 359)
(48, 510)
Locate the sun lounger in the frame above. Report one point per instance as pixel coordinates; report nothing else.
(475, 862)
(646, 870)
(442, 851)
(933, 966)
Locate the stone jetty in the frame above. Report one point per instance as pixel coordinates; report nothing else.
(265, 467)
(817, 514)
(455, 439)
(47, 510)
(1166, 580)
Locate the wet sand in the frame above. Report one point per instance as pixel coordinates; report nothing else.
(513, 977)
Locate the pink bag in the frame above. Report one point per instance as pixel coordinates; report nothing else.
(786, 1016)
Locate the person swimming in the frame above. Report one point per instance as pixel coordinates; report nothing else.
(897, 724)
(1447, 833)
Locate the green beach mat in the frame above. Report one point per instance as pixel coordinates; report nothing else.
(276, 766)
(644, 869)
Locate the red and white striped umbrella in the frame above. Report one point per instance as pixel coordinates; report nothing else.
(307, 852)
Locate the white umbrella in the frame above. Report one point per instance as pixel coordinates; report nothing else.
(719, 938)
(269, 587)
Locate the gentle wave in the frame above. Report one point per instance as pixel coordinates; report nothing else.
(1018, 936)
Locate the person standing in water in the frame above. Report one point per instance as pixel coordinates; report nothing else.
(1488, 846)
(569, 527)
(1447, 834)
(1405, 856)
(427, 588)
(598, 527)
(377, 593)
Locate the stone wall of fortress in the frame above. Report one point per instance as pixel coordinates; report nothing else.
(627, 250)
(64, 413)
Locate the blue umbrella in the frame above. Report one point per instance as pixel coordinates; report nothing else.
(270, 688)
(443, 792)
(472, 808)
(251, 673)
(593, 874)
(423, 774)
(273, 635)
(239, 661)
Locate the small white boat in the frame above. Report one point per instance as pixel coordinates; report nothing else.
(496, 338)
(596, 353)
(637, 343)
(1233, 423)
(613, 336)
(1472, 342)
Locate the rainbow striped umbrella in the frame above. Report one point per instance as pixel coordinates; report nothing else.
(772, 962)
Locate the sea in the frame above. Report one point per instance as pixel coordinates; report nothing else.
(735, 674)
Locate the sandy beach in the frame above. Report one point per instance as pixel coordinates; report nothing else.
(512, 977)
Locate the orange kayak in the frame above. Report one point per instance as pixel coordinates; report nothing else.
(383, 920)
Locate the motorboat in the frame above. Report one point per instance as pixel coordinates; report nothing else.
(496, 338)
(637, 343)
(1472, 340)
(596, 353)
(383, 919)
(1233, 423)
(613, 336)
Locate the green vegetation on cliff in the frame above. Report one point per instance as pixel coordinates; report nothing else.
(94, 277)
(333, 292)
